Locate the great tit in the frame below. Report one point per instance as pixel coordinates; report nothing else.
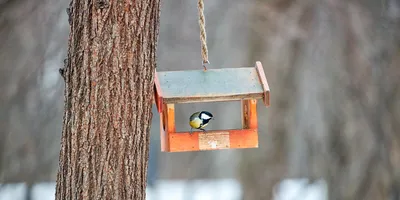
(199, 120)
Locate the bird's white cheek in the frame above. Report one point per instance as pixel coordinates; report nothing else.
(204, 116)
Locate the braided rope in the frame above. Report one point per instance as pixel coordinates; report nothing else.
(203, 36)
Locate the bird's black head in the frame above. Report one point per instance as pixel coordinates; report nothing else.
(205, 116)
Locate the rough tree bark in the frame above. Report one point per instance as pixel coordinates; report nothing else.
(108, 99)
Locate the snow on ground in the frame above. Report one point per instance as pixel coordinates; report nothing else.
(226, 189)
(301, 189)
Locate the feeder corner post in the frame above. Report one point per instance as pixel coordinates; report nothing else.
(163, 112)
(264, 83)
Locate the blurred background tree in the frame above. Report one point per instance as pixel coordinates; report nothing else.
(332, 65)
(334, 75)
(33, 42)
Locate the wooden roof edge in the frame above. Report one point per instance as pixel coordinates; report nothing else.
(264, 83)
(202, 70)
(265, 95)
(196, 99)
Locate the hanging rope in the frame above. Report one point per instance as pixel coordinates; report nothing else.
(203, 36)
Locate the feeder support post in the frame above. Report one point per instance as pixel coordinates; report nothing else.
(249, 114)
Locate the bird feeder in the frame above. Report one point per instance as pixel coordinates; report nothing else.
(247, 84)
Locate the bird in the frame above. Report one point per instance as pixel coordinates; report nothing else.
(199, 120)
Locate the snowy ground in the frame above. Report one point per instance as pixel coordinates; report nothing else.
(301, 189)
(226, 189)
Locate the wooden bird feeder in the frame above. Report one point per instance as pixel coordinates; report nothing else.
(246, 84)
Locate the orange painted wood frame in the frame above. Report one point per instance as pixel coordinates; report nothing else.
(247, 137)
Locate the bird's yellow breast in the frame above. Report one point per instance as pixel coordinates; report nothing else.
(195, 123)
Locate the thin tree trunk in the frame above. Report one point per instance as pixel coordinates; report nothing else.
(108, 99)
(28, 193)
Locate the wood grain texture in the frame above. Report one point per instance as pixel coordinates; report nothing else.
(163, 128)
(249, 114)
(264, 83)
(108, 98)
(226, 84)
(213, 140)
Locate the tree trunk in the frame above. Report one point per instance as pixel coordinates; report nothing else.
(108, 99)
